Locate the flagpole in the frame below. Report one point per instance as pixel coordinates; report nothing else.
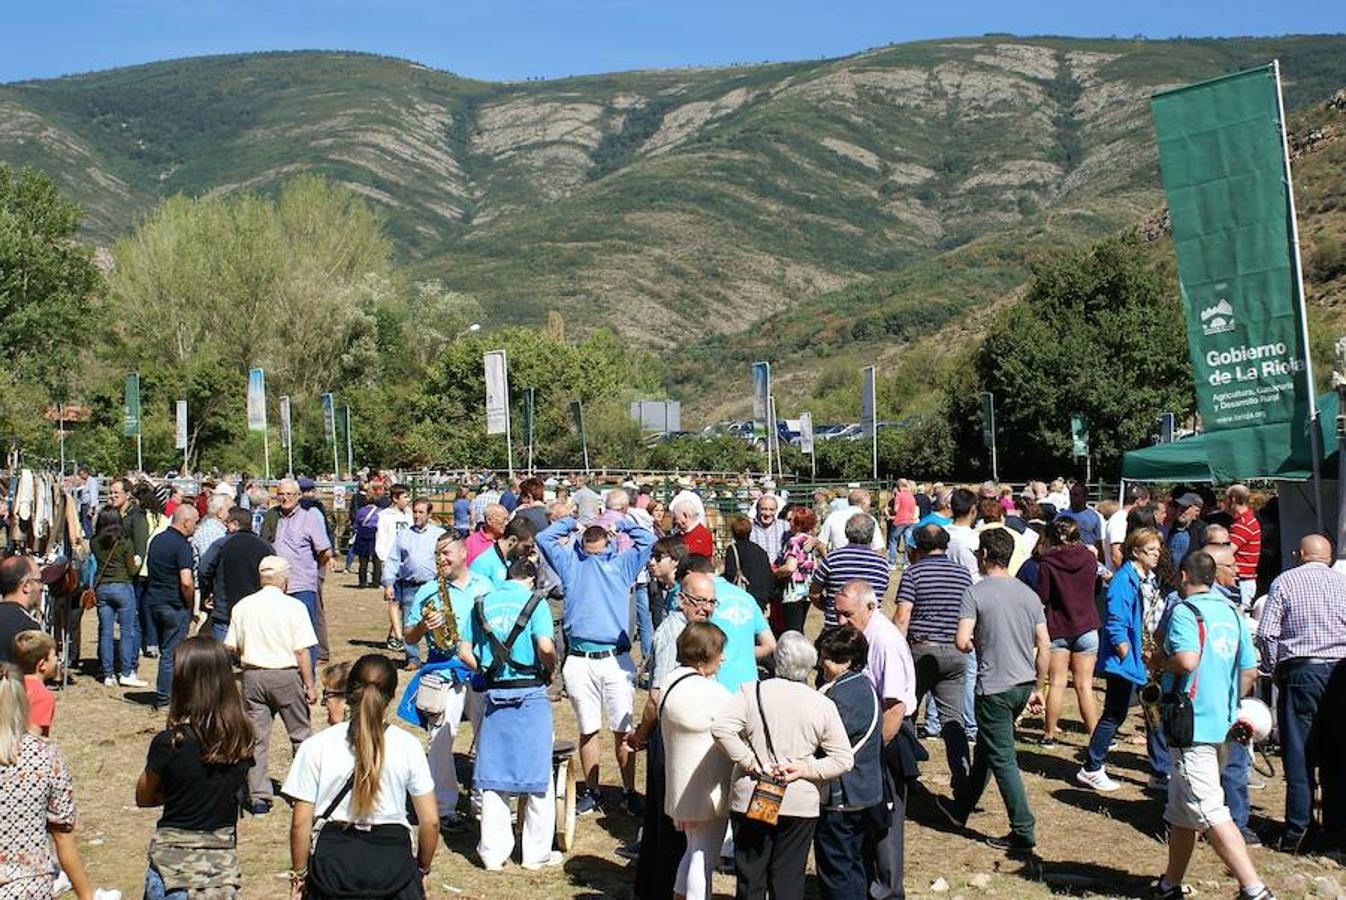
(266, 455)
(140, 454)
(350, 456)
(1315, 435)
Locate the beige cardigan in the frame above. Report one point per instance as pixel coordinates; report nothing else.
(801, 721)
(696, 773)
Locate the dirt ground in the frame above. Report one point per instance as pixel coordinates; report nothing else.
(1090, 844)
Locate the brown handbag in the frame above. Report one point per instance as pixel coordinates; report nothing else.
(88, 597)
(768, 792)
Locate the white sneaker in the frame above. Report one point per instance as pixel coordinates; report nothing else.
(61, 884)
(110, 681)
(132, 681)
(553, 859)
(493, 866)
(1099, 780)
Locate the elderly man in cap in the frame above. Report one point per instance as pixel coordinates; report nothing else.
(272, 636)
(1188, 531)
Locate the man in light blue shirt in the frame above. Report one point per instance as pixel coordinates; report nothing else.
(1210, 658)
(748, 637)
(410, 564)
(516, 543)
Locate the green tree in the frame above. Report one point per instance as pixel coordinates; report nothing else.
(47, 284)
(1098, 332)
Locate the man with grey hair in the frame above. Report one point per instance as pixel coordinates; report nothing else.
(213, 527)
(270, 634)
(300, 538)
(170, 589)
(833, 533)
(893, 675)
(856, 559)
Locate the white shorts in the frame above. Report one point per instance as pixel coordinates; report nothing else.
(602, 685)
(1195, 797)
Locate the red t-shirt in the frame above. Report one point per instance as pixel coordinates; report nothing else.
(902, 508)
(699, 542)
(41, 703)
(1246, 536)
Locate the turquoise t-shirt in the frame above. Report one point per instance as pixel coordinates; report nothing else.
(1228, 651)
(671, 598)
(489, 566)
(501, 608)
(460, 598)
(740, 618)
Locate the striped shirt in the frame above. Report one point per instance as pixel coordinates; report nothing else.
(846, 564)
(1246, 536)
(934, 586)
(1304, 617)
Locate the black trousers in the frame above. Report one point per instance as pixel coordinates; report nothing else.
(890, 848)
(769, 860)
(364, 571)
(661, 844)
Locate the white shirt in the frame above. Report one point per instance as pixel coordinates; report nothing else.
(268, 628)
(833, 532)
(390, 519)
(963, 545)
(1116, 533)
(324, 763)
(1059, 499)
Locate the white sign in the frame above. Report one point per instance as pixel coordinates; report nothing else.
(256, 400)
(806, 432)
(497, 393)
(180, 440)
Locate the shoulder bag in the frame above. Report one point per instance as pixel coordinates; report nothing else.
(769, 791)
(88, 598)
(1176, 710)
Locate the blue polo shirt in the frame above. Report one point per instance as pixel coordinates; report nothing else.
(490, 566)
(460, 598)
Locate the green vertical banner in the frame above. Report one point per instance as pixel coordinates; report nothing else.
(1224, 169)
(131, 406)
(529, 397)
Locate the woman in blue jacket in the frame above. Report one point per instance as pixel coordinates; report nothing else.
(1119, 656)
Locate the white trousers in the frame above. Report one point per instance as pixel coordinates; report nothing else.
(440, 750)
(497, 834)
(698, 863)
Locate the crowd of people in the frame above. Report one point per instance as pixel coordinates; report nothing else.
(771, 733)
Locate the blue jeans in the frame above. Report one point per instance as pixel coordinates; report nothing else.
(219, 630)
(895, 533)
(641, 599)
(1302, 684)
(154, 887)
(149, 635)
(1234, 780)
(1116, 705)
(405, 594)
(117, 604)
(171, 622)
(310, 601)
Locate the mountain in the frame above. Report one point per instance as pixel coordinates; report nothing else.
(807, 210)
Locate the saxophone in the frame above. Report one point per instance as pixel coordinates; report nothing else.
(1150, 692)
(445, 637)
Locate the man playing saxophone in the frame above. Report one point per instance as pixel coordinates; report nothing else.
(441, 690)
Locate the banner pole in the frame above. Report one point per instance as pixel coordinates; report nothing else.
(60, 417)
(1315, 436)
(140, 455)
(266, 455)
(350, 455)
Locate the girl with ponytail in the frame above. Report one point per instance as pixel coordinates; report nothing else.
(360, 773)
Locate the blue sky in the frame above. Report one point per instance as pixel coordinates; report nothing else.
(515, 39)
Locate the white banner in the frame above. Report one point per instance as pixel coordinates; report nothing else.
(285, 421)
(497, 393)
(257, 400)
(867, 403)
(761, 392)
(806, 432)
(180, 438)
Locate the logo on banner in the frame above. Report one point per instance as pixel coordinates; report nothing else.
(1217, 319)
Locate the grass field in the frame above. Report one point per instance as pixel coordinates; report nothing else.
(1090, 844)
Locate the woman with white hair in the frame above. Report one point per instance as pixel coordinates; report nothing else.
(772, 731)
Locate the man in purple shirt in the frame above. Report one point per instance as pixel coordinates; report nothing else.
(301, 540)
(894, 676)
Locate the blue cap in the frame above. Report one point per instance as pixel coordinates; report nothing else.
(307, 484)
